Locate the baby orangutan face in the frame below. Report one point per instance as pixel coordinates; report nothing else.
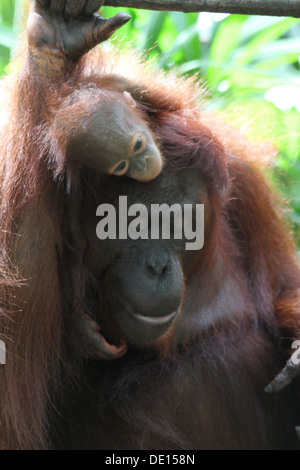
(138, 157)
(109, 135)
(142, 161)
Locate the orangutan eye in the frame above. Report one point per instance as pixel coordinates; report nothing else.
(138, 145)
(121, 168)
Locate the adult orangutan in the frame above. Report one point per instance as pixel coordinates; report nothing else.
(123, 343)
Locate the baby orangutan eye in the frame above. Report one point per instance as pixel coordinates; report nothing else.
(138, 145)
(121, 168)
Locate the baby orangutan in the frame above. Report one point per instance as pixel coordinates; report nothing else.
(108, 135)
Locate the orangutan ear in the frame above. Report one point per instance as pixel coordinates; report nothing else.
(129, 100)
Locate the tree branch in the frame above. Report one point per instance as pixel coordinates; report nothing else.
(244, 7)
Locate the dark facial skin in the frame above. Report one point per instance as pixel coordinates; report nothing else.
(142, 281)
(110, 137)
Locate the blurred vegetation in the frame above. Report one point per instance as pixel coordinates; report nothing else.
(251, 65)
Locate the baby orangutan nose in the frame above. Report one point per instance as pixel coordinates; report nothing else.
(141, 163)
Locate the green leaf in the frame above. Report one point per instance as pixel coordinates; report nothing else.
(292, 137)
(227, 38)
(182, 41)
(7, 8)
(271, 33)
(256, 25)
(7, 37)
(187, 34)
(278, 53)
(153, 29)
(224, 44)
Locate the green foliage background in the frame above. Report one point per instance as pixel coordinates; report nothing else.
(250, 63)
